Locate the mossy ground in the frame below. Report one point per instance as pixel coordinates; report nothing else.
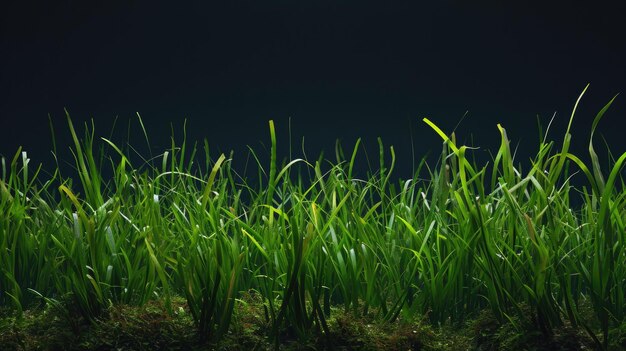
(152, 327)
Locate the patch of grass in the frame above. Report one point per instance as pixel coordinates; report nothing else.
(312, 248)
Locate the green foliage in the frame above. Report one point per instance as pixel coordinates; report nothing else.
(466, 238)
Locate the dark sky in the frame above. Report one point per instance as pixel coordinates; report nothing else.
(337, 69)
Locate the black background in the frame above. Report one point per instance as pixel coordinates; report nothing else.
(330, 69)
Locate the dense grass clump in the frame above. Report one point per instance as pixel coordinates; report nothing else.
(467, 239)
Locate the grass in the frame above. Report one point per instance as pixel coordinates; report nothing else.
(312, 249)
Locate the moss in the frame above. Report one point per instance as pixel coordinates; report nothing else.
(43, 328)
(489, 334)
(152, 327)
(618, 337)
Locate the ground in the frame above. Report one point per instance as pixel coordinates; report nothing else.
(153, 327)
